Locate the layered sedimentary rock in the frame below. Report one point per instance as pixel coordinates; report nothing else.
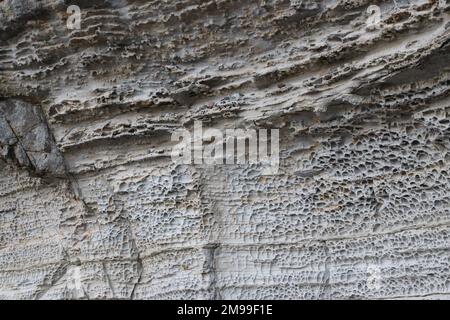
(93, 207)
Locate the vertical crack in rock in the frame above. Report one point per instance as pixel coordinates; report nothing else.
(137, 254)
(140, 270)
(108, 279)
(27, 139)
(325, 294)
(210, 270)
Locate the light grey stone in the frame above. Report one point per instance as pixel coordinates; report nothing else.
(93, 207)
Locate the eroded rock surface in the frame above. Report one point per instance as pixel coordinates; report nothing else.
(93, 207)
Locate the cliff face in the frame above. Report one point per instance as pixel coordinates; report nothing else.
(93, 207)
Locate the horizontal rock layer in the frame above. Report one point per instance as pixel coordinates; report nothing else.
(93, 207)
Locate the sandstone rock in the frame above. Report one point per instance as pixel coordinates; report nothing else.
(93, 207)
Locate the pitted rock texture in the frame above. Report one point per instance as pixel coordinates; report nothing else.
(93, 207)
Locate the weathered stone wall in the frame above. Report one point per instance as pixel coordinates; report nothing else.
(93, 207)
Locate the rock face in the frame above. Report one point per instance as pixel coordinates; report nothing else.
(93, 207)
(25, 138)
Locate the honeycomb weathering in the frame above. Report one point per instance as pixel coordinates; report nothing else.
(93, 207)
